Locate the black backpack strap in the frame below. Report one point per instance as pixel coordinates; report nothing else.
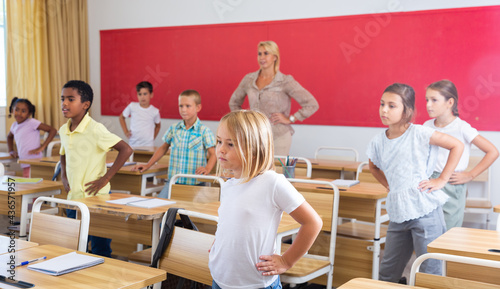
(166, 235)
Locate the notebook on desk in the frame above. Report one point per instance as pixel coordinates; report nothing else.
(66, 263)
(141, 202)
(20, 180)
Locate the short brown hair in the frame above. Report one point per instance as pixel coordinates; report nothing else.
(192, 93)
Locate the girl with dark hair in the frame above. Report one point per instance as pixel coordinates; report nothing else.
(26, 132)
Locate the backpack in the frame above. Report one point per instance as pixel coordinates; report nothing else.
(165, 237)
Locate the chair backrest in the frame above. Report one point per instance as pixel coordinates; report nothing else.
(50, 147)
(446, 282)
(298, 171)
(57, 230)
(187, 254)
(337, 153)
(334, 211)
(200, 194)
(364, 176)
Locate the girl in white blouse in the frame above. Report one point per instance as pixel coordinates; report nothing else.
(401, 160)
(442, 106)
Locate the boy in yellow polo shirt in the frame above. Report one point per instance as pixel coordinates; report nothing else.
(84, 144)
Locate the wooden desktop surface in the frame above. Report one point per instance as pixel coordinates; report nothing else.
(98, 205)
(470, 243)
(325, 168)
(362, 190)
(125, 179)
(112, 273)
(6, 244)
(20, 190)
(364, 283)
(467, 242)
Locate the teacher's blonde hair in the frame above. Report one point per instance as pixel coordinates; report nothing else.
(252, 138)
(272, 47)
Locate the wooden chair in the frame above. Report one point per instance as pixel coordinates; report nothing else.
(364, 176)
(187, 254)
(298, 171)
(57, 230)
(200, 194)
(482, 204)
(50, 147)
(312, 266)
(343, 153)
(445, 282)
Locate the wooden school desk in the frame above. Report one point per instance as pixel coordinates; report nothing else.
(144, 153)
(136, 182)
(6, 243)
(327, 169)
(142, 226)
(470, 243)
(112, 273)
(23, 195)
(364, 283)
(43, 167)
(362, 202)
(125, 179)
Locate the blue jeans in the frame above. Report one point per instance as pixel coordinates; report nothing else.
(276, 284)
(100, 246)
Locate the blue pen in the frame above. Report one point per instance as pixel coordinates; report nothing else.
(31, 261)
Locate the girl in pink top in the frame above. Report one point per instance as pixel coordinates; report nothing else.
(26, 132)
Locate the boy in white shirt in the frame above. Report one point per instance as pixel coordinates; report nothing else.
(144, 118)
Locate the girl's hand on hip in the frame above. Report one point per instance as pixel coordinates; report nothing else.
(459, 178)
(431, 185)
(272, 265)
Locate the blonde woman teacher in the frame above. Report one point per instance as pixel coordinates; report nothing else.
(270, 92)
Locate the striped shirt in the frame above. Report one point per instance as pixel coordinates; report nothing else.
(188, 149)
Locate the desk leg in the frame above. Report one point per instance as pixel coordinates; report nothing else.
(155, 237)
(376, 239)
(24, 216)
(24, 209)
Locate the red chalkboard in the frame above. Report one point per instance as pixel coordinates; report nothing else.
(345, 62)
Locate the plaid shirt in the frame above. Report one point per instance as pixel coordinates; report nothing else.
(188, 149)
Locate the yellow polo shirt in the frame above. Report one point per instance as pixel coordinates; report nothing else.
(85, 149)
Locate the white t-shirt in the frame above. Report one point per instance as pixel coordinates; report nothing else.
(142, 124)
(463, 132)
(249, 215)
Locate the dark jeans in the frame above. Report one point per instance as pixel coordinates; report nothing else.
(100, 246)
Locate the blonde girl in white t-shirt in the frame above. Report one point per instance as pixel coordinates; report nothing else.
(252, 203)
(442, 106)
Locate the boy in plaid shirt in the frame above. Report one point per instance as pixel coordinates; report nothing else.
(192, 143)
